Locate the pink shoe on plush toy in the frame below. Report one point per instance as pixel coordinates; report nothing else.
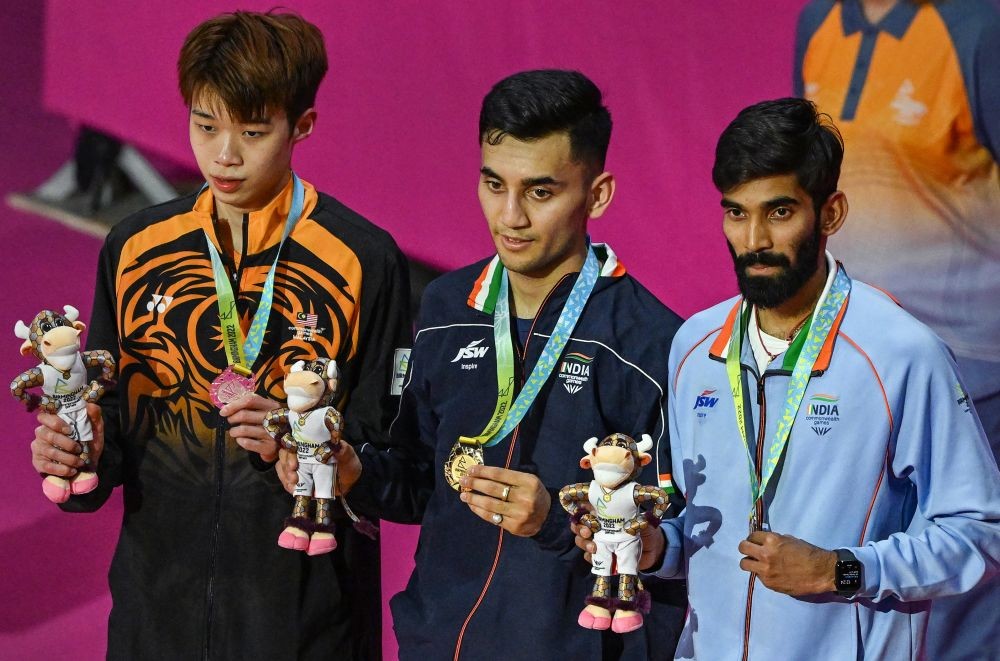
(589, 620)
(294, 539)
(626, 623)
(56, 489)
(83, 483)
(321, 542)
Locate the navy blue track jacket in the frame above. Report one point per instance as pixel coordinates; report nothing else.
(478, 592)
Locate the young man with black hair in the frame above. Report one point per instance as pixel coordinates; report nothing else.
(518, 359)
(836, 476)
(290, 274)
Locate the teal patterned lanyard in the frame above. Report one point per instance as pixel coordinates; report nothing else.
(818, 332)
(243, 353)
(568, 318)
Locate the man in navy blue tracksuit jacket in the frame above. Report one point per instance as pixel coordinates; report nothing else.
(497, 573)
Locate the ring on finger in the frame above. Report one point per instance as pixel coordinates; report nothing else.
(497, 518)
(505, 494)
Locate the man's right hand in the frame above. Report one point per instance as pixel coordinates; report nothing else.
(54, 453)
(348, 468)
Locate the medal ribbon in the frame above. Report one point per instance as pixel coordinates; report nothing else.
(506, 417)
(242, 352)
(819, 329)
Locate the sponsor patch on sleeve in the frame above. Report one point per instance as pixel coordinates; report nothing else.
(400, 361)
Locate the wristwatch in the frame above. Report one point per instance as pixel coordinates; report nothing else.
(847, 574)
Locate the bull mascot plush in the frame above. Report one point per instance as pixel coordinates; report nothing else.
(311, 428)
(54, 339)
(616, 518)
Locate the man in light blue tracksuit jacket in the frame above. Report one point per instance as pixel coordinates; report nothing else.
(878, 490)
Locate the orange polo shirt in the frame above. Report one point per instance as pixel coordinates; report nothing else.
(917, 99)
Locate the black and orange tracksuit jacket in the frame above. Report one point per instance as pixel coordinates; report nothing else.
(197, 572)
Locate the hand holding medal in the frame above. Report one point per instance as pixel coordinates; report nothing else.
(514, 500)
(234, 383)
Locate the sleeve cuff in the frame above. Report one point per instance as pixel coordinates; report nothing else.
(555, 533)
(363, 495)
(259, 464)
(265, 470)
(673, 556)
(870, 573)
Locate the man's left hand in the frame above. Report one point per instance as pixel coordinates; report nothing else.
(787, 564)
(246, 425)
(527, 502)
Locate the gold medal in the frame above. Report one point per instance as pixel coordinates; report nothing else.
(607, 497)
(460, 460)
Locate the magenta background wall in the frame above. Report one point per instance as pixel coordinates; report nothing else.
(396, 140)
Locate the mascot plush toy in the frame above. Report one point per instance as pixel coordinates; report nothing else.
(616, 519)
(54, 339)
(310, 427)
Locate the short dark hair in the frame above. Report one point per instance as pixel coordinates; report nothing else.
(785, 136)
(534, 104)
(255, 63)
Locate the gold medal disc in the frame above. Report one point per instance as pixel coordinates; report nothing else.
(462, 458)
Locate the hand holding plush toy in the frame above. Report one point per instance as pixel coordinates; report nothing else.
(616, 520)
(54, 339)
(310, 427)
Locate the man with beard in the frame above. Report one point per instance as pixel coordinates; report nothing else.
(836, 477)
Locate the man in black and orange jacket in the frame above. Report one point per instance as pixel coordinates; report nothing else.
(197, 572)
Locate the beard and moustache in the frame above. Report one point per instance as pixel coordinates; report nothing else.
(768, 291)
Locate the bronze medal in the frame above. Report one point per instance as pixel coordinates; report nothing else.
(461, 458)
(232, 384)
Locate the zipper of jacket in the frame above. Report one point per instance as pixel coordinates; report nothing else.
(758, 507)
(220, 461)
(220, 452)
(510, 453)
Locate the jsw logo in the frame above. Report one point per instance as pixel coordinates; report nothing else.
(473, 350)
(705, 401)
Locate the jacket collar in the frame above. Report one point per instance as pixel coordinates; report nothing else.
(485, 290)
(265, 226)
(896, 22)
(720, 347)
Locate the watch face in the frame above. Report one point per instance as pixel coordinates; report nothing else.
(848, 577)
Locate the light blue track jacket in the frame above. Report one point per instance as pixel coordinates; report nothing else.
(886, 458)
